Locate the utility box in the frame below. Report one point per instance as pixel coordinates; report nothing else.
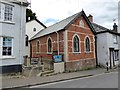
(59, 67)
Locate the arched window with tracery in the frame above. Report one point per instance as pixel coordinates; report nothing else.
(87, 44)
(76, 44)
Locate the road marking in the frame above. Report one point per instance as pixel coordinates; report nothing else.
(69, 80)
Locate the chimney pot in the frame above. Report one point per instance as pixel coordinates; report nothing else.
(90, 17)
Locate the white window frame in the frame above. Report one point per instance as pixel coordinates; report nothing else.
(11, 47)
(85, 44)
(81, 23)
(2, 19)
(116, 55)
(115, 39)
(51, 44)
(73, 44)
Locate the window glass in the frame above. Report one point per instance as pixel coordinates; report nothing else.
(87, 44)
(7, 46)
(116, 52)
(38, 46)
(115, 38)
(8, 13)
(49, 45)
(76, 44)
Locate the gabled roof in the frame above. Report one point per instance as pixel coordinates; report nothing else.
(37, 21)
(100, 29)
(62, 25)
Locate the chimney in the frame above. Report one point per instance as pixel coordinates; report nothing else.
(90, 17)
(115, 27)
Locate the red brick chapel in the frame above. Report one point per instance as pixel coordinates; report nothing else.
(73, 38)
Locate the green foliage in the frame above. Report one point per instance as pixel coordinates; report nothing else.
(30, 14)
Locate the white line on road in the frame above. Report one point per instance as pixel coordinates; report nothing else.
(70, 80)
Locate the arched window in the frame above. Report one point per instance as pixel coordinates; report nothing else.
(76, 44)
(38, 46)
(49, 45)
(81, 23)
(87, 44)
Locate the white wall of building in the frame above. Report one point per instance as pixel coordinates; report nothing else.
(15, 30)
(30, 26)
(102, 49)
(104, 42)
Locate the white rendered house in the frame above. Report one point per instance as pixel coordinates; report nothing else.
(12, 35)
(107, 45)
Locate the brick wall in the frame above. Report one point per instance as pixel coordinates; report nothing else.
(43, 45)
(82, 59)
(75, 60)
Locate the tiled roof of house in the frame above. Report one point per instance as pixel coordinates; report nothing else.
(99, 28)
(61, 25)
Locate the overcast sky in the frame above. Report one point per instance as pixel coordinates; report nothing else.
(52, 11)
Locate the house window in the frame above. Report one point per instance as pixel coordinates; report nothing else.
(76, 44)
(115, 38)
(38, 46)
(49, 45)
(87, 44)
(8, 13)
(116, 52)
(7, 46)
(81, 23)
(34, 29)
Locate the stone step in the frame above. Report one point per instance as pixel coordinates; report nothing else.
(45, 73)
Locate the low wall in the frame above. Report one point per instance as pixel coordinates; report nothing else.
(79, 65)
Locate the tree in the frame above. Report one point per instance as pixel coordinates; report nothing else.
(30, 15)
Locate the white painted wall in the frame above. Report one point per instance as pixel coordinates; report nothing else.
(16, 30)
(104, 42)
(30, 26)
(102, 50)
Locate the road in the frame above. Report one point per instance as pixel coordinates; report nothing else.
(106, 80)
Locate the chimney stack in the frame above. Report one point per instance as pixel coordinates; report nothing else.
(115, 27)
(90, 17)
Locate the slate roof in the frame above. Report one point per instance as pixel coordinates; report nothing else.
(100, 29)
(62, 25)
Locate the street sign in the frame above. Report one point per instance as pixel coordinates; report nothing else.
(57, 58)
(34, 61)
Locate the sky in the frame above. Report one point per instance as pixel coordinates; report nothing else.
(49, 12)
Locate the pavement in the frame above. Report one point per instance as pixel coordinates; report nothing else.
(14, 83)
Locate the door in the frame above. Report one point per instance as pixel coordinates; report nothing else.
(112, 61)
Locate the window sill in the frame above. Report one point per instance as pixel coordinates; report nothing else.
(8, 22)
(7, 57)
(88, 52)
(49, 52)
(76, 52)
(37, 52)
